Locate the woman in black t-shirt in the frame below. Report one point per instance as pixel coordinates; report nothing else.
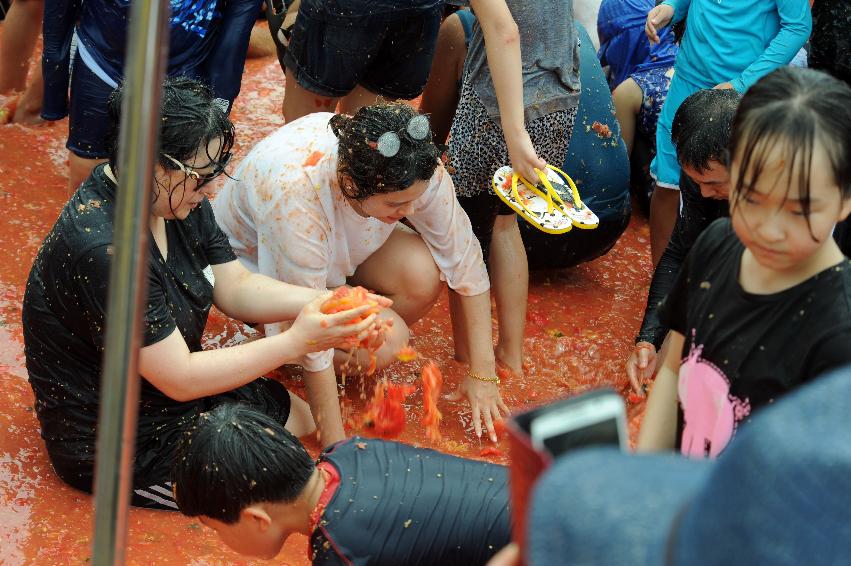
(763, 302)
(191, 267)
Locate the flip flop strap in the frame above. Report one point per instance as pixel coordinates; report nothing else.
(551, 196)
(571, 184)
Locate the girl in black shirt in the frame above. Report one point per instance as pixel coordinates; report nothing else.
(763, 302)
(191, 267)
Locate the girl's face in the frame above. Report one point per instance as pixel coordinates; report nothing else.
(770, 221)
(393, 207)
(179, 191)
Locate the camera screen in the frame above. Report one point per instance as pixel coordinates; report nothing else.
(603, 432)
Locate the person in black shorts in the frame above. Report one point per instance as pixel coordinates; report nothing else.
(191, 267)
(366, 501)
(360, 48)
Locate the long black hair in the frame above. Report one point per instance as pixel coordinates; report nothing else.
(363, 170)
(191, 119)
(234, 456)
(795, 109)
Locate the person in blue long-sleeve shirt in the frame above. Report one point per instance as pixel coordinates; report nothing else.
(727, 44)
(208, 41)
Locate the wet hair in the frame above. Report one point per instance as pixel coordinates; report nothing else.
(701, 127)
(793, 109)
(191, 119)
(234, 456)
(362, 169)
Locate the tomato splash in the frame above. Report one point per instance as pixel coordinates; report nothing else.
(313, 159)
(490, 451)
(602, 130)
(432, 383)
(347, 298)
(385, 415)
(406, 354)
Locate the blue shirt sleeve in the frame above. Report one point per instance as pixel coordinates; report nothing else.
(227, 59)
(60, 17)
(680, 9)
(795, 27)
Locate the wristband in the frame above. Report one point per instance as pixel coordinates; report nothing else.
(494, 379)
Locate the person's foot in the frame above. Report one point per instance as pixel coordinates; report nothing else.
(508, 368)
(8, 107)
(16, 109)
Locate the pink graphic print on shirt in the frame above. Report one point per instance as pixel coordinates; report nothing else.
(709, 410)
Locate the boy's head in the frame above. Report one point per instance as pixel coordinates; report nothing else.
(701, 133)
(232, 467)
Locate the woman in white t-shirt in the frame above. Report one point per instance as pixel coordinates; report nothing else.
(318, 203)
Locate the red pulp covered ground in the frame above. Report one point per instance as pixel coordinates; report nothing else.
(581, 324)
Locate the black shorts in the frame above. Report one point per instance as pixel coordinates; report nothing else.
(331, 52)
(154, 453)
(559, 251)
(88, 121)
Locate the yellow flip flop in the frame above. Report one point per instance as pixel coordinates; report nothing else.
(568, 197)
(543, 210)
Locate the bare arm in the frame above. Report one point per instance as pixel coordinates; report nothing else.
(324, 404)
(502, 44)
(184, 375)
(485, 400)
(252, 297)
(659, 428)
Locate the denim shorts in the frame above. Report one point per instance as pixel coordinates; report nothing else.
(332, 50)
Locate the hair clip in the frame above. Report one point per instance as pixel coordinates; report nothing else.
(418, 129)
(388, 144)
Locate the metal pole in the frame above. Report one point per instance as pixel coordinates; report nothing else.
(147, 47)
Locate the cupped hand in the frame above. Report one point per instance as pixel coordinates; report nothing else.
(641, 365)
(317, 331)
(657, 18)
(524, 158)
(485, 402)
(382, 301)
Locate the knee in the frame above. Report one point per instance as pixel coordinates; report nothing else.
(396, 337)
(420, 282)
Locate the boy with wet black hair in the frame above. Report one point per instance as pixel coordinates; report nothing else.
(365, 500)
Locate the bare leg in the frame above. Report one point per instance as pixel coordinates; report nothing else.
(20, 33)
(404, 271)
(260, 44)
(394, 338)
(29, 105)
(440, 97)
(356, 100)
(664, 207)
(79, 169)
(627, 98)
(509, 271)
(300, 421)
(299, 101)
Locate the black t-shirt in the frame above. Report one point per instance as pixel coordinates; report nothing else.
(742, 350)
(397, 504)
(697, 212)
(64, 317)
